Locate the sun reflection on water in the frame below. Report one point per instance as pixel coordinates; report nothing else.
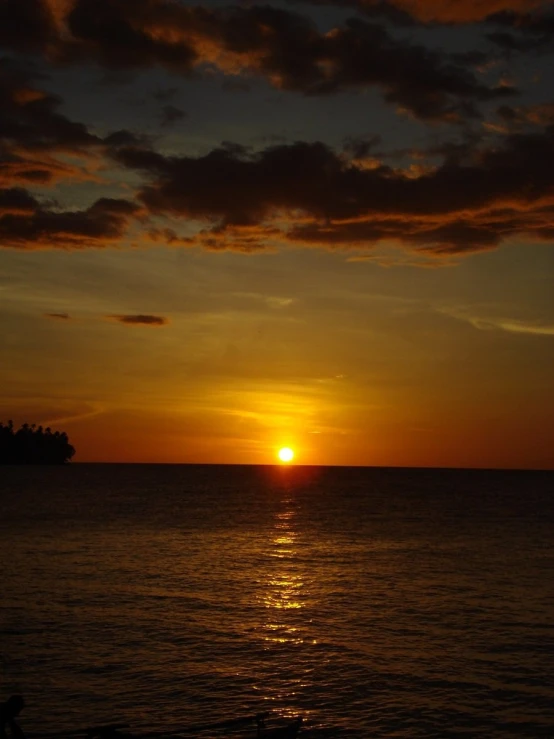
(284, 582)
(284, 588)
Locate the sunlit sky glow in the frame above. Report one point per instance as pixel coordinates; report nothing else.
(226, 225)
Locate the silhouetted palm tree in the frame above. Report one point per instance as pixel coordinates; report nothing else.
(32, 445)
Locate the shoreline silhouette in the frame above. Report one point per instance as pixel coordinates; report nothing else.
(32, 444)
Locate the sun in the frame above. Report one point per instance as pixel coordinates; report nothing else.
(285, 454)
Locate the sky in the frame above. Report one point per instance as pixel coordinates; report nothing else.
(226, 228)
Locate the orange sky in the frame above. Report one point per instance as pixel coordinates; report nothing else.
(319, 225)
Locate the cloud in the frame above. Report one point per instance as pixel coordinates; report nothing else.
(26, 25)
(514, 326)
(16, 201)
(42, 170)
(171, 114)
(385, 10)
(124, 34)
(29, 117)
(26, 224)
(284, 47)
(501, 323)
(165, 94)
(463, 197)
(58, 316)
(140, 320)
(308, 193)
(515, 118)
(407, 12)
(526, 31)
(35, 136)
(50, 411)
(126, 138)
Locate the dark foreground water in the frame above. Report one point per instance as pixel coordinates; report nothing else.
(377, 603)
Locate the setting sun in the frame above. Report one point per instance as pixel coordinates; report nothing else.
(285, 454)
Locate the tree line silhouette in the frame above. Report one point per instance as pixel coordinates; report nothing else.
(31, 444)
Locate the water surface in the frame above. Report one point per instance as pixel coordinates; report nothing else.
(376, 602)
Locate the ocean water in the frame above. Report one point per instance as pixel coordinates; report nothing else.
(374, 602)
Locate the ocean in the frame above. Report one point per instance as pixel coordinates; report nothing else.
(373, 602)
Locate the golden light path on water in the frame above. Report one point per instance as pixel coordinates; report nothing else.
(283, 596)
(285, 587)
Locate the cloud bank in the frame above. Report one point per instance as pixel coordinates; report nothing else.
(470, 194)
(308, 193)
(284, 47)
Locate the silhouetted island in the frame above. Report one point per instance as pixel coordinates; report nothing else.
(33, 445)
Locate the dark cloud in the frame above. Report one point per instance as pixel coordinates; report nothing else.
(40, 170)
(165, 94)
(387, 11)
(34, 135)
(16, 201)
(306, 192)
(427, 84)
(283, 46)
(58, 316)
(460, 196)
(123, 34)
(126, 138)
(170, 115)
(141, 320)
(379, 9)
(520, 117)
(540, 22)
(508, 42)
(26, 25)
(361, 147)
(34, 226)
(523, 32)
(29, 117)
(410, 12)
